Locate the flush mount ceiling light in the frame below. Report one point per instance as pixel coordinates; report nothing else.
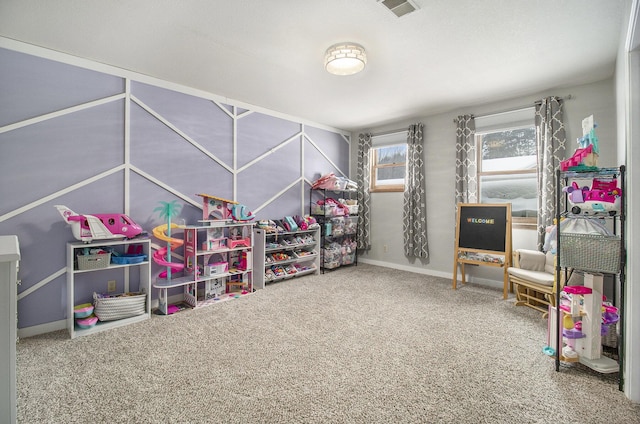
(345, 59)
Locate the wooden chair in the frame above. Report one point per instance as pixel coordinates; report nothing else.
(533, 277)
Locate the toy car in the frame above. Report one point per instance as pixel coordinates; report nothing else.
(603, 198)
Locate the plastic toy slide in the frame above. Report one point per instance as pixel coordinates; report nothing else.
(160, 255)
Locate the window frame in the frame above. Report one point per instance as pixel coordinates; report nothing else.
(385, 188)
(517, 221)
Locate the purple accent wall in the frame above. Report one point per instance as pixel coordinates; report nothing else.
(258, 133)
(163, 153)
(200, 119)
(321, 166)
(267, 177)
(31, 86)
(48, 156)
(331, 144)
(57, 161)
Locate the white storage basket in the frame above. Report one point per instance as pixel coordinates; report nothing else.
(122, 306)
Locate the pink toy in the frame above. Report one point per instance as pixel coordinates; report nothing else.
(327, 181)
(577, 289)
(574, 193)
(87, 322)
(604, 197)
(215, 244)
(243, 264)
(99, 226)
(246, 242)
(217, 208)
(584, 156)
(160, 256)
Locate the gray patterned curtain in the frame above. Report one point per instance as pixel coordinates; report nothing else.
(363, 176)
(415, 201)
(550, 141)
(466, 161)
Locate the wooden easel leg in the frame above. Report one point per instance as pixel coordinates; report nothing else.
(506, 283)
(455, 275)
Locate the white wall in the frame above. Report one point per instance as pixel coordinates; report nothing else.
(386, 208)
(628, 105)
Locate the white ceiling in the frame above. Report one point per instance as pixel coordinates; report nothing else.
(448, 54)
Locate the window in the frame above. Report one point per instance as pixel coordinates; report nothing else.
(389, 167)
(388, 161)
(507, 170)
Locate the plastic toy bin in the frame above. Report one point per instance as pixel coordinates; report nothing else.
(128, 259)
(590, 252)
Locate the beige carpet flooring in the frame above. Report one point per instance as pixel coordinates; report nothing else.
(362, 344)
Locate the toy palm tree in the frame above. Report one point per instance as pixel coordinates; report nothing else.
(166, 210)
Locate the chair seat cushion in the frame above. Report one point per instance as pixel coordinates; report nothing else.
(538, 277)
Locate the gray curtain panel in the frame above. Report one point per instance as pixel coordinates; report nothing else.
(466, 161)
(363, 177)
(550, 140)
(415, 201)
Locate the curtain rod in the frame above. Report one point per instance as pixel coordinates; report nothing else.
(538, 102)
(388, 132)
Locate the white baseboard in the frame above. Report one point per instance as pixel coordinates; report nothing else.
(406, 268)
(36, 330)
(42, 328)
(475, 280)
(62, 324)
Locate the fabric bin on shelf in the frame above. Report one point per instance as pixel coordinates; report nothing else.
(97, 261)
(109, 308)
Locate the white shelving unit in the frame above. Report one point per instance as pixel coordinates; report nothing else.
(297, 251)
(9, 260)
(217, 261)
(82, 283)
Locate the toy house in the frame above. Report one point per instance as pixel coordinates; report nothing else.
(215, 208)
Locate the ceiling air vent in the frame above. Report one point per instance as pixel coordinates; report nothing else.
(400, 7)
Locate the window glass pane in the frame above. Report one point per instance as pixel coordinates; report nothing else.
(509, 150)
(390, 175)
(521, 190)
(392, 154)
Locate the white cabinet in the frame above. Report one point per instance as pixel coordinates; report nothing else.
(218, 261)
(9, 257)
(85, 278)
(279, 256)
